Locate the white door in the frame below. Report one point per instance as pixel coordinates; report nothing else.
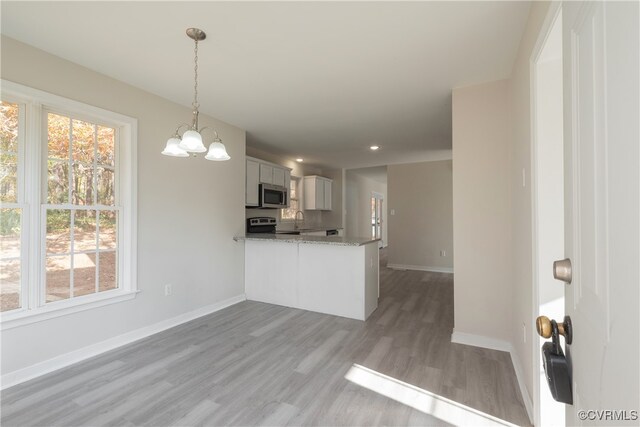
(600, 49)
(376, 217)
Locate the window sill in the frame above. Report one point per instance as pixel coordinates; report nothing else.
(63, 308)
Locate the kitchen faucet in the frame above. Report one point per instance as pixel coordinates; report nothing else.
(295, 221)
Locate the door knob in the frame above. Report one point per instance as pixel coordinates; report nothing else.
(562, 270)
(545, 328)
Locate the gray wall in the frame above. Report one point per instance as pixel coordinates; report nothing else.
(188, 212)
(481, 210)
(422, 226)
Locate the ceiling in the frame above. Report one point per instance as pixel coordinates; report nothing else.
(319, 80)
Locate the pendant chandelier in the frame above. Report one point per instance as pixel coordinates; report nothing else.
(191, 139)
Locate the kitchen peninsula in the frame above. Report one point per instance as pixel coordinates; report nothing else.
(327, 274)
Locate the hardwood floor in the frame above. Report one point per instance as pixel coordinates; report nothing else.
(261, 364)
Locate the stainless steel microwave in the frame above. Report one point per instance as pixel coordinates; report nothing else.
(273, 196)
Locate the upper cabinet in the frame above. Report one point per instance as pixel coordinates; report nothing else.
(261, 172)
(266, 174)
(278, 177)
(252, 183)
(317, 193)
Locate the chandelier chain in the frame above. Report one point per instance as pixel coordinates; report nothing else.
(195, 85)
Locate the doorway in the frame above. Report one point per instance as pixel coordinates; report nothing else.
(548, 200)
(376, 217)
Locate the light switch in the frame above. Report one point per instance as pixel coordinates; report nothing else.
(393, 211)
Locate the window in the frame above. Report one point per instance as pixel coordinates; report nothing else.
(11, 199)
(289, 214)
(67, 189)
(80, 214)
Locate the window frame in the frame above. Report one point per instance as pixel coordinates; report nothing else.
(33, 167)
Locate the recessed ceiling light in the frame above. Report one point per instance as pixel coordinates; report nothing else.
(299, 160)
(374, 147)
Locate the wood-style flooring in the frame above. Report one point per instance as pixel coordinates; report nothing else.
(261, 364)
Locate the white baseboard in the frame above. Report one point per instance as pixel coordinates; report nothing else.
(420, 268)
(480, 341)
(16, 377)
(500, 345)
(526, 398)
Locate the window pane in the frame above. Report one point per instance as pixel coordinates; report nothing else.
(290, 212)
(108, 222)
(58, 191)
(294, 188)
(106, 187)
(58, 278)
(58, 231)
(10, 268)
(9, 114)
(9, 284)
(82, 192)
(108, 270)
(10, 233)
(106, 146)
(84, 231)
(58, 136)
(8, 177)
(84, 274)
(83, 141)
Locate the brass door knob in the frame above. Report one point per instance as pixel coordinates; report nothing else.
(545, 328)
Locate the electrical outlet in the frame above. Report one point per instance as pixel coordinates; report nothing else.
(443, 253)
(524, 333)
(168, 289)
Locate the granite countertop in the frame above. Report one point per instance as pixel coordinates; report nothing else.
(320, 240)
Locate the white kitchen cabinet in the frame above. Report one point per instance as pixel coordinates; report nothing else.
(252, 183)
(327, 195)
(278, 177)
(266, 173)
(317, 193)
(262, 172)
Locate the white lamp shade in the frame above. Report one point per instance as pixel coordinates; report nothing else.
(217, 152)
(173, 148)
(192, 142)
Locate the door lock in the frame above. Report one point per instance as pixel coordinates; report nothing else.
(562, 270)
(556, 366)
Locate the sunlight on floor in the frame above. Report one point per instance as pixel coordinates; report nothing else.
(422, 400)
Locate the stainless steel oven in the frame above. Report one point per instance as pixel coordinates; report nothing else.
(273, 196)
